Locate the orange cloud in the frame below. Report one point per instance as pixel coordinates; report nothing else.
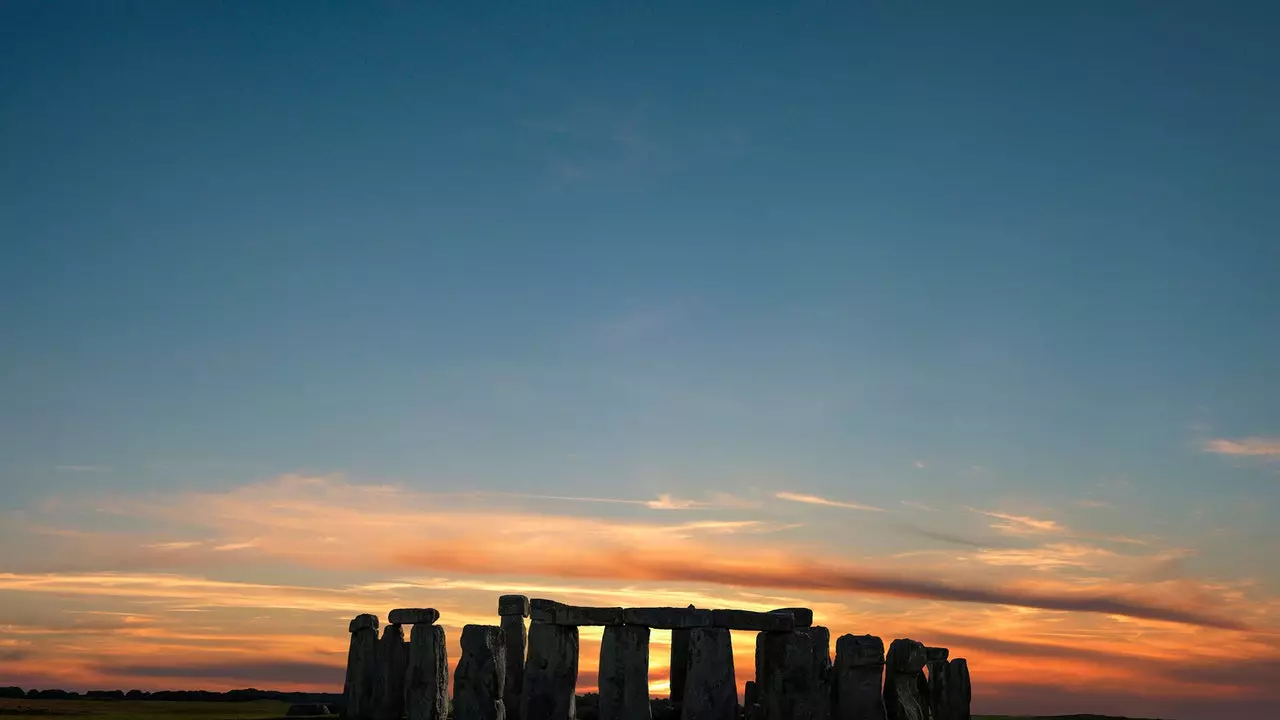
(815, 500)
(1246, 447)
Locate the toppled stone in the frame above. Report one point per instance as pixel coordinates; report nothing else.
(478, 681)
(361, 682)
(786, 679)
(427, 680)
(935, 689)
(624, 673)
(748, 620)
(903, 696)
(958, 691)
(667, 618)
(393, 664)
(413, 616)
(363, 621)
(513, 629)
(856, 679)
(513, 605)
(550, 672)
(803, 616)
(711, 692)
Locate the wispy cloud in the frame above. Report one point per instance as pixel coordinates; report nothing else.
(919, 465)
(919, 506)
(1264, 447)
(816, 500)
(229, 547)
(1020, 524)
(82, 468)
(177, 545)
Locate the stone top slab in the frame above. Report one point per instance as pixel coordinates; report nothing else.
(513, 605)
(667, 618)
(757, 621)
(936, 654)
(363, 621)
(860, 650)
(413, 616)
(803, 616)
(905, 656)
(550, 611)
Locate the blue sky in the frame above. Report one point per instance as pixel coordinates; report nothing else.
(986, 254)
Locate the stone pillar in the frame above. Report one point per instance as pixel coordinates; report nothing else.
(786, 679)
(958, 692)
(936, 664)
(856, 683)
(679, 665)
(624, 673)
(513, 609)
(362, 669)
(711, 691)
(820, 644)
(482, 669)
(550, 673)
(903, 698)
(427, 680)
(393, 663)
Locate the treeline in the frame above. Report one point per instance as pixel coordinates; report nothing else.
(246, 695)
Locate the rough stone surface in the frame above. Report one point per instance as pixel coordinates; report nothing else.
(958, 691)
(513, 605)
(427, 680)
(513, 629)
(363, 621)
(679, 663)
(667, 618)
(393, 663)
(478, 680)
(753, 712)
(748, 620)
(936, 693)
(550, 672)
(786, 677)
(820, 645)
(903, 696)
(803, 616)
(624, 673)
(542, 610)
(362, 669)
(413, 616)
(750, 695)
(577, 615)
(856, 679)
(711, 691)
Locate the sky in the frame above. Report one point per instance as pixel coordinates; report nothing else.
(954, 321)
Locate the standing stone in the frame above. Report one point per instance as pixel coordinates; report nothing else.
(958, 691)
(513, 629)
(903, 698)
(750, 695)
(550, 673)
(362, 669)
(679, 664)
(936, 664)
(820, 643)
(427, 680)
(856, 689)
(711, 691)
(478, 681)
(393, 664)
(624, 673)
(786, 676)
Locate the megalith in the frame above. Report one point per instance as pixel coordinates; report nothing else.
(679, 663)
(393, 664)
(856, 683)
(361, 682)
(478, 680)
(427, 680)
(624, 673)
(958, 692)
(513, 609)
(904, 698)
(936, 665)
(550, 673)
(711, 691)
(820, 646)
(786, 677)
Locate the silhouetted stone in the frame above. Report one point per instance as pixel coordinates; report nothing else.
(667, 618)
(478, 681)
(513, 605)
(789, 675)
(624, 673)
(820, 645)
(361, 682)
(577, 615)
(543, 610)
(513, 629)
(903, 699)
(750, 694)
(936, 665)
(413, 616)
(748, 620)
(711, 692)
(958, 692)
(550, 672)
(427, 680)
(393, 663)
(803, 616)
(856, 678)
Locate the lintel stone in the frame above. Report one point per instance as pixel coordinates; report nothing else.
(756, 621)
(413, 616)
(667, 618)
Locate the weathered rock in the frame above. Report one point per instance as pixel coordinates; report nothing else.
(550, 672)
(393, 664)
(624, 673)
(482, 669)
(786, 676)
(753, 712)
(750, 695)
(748, 620)
(936, 666)
(413, 616)
(679, 663)
(903, 696)
(820, 644)
(803, 616)
(513, 629)
(362, 669)
(856, 679)
(711, 691)
(427, 680)
(513, 605)
(667, 618)
(958, 691)
(543, 610)
(578, 615)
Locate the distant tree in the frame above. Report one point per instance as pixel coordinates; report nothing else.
(12, 693)
(135, 695)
